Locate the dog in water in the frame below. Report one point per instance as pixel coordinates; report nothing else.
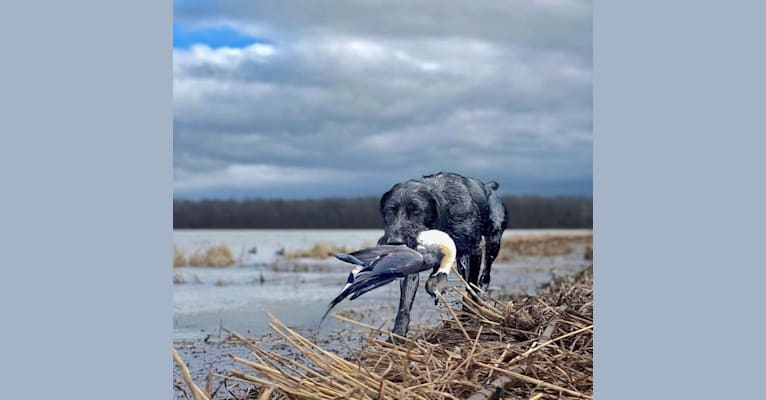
(467, 209)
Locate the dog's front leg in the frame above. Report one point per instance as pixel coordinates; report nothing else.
(463, 265)
(409, 287)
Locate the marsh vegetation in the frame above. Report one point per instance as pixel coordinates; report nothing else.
(290, 277)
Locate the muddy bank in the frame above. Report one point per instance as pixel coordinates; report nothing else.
(211, 357)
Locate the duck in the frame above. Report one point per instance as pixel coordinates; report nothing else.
(380, 265)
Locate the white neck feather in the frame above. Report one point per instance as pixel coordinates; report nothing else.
(446, 245)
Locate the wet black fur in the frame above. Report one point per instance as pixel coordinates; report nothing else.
(465, 208)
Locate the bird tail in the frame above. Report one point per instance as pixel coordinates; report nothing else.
(343, 294)
(361, 285)
(324, 316)
(349, 282)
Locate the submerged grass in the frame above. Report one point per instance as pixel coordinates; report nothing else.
(531, 347)
(294, 266)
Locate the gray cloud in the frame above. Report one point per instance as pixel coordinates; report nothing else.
(352, 96)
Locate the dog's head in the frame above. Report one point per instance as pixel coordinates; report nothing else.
(408, 209)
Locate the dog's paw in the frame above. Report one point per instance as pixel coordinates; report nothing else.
(484, 282)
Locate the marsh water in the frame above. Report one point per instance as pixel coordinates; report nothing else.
(297, 290)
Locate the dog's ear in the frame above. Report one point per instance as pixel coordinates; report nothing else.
(438, 215)
(386, 196)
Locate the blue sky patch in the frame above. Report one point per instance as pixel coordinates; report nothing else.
(185, 36)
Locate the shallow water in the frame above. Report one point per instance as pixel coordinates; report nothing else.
(239, 297)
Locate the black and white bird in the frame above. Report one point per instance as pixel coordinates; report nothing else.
(378, 266)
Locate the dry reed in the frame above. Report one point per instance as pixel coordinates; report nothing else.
(322, 250)
(216, 256)
(533, 347)
(197, 393)
(541, 245)
(179, 259)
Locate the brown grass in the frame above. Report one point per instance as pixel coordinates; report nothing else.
(541, 245)
(532, 347)
(179, 259)
(321, 250)
(216, 256)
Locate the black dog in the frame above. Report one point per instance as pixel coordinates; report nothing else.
(465, 208)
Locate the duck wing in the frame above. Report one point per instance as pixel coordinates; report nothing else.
(369, 255)
(391, 263)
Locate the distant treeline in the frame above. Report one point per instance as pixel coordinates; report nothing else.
(358, 213)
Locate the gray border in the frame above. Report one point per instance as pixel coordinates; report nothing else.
(86, 182)
(86, 207)
(679, 199)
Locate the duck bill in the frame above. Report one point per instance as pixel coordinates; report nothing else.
(436, 285)
(436, 295)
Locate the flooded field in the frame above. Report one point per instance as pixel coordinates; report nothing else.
(296, 290)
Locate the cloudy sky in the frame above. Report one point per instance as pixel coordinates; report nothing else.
(344, 98)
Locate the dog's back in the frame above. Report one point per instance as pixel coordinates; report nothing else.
(491, 209)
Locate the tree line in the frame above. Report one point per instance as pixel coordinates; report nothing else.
(524, 212)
